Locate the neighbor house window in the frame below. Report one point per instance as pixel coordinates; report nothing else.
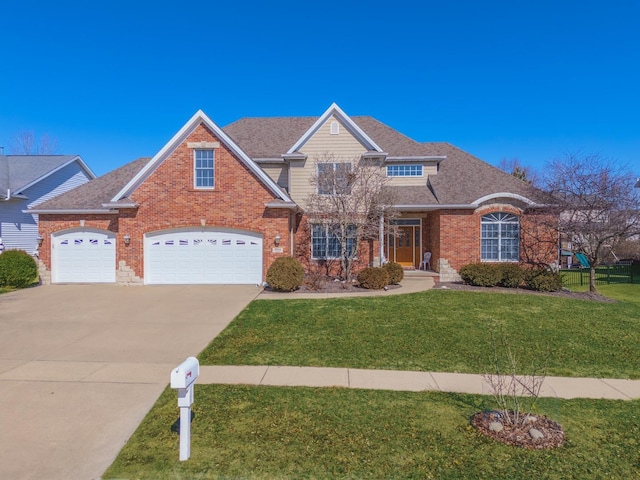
(404, 170)
(203, 169)
(500, 237)
(334, 178)
(325, 241)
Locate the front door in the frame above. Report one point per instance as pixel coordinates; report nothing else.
(404, 247)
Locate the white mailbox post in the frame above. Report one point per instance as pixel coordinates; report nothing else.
(183, 378)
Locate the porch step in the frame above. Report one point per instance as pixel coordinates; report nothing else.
(415, 273)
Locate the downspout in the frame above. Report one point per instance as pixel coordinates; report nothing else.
(381, 239)
(8, 197)
(291, 227)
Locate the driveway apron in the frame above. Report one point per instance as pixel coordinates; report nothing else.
(81, 365)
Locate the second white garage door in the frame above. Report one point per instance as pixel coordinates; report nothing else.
(203, 257)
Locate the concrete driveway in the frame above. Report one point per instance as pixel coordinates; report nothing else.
(81, 365)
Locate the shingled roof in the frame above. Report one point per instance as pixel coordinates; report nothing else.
(20, 171)
(94, 194)
(270, 137)
(462, 179)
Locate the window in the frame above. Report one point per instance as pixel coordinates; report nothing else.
(500, 237)
(404, 170)
(203, 169)
(334, 178)
(325, 241)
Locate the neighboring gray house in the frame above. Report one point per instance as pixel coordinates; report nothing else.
(28, 180)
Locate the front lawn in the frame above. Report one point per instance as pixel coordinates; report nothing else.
(278, 433)
(437, 330)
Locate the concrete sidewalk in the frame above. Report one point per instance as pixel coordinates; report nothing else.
(555, 387)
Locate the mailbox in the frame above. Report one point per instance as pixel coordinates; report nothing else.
(183, 378)
(185, 374)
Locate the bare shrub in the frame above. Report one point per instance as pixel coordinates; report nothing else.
(515, 392)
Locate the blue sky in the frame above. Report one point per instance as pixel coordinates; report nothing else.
(113, 81)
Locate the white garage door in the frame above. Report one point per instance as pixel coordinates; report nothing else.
(189, 257)
(84, 256)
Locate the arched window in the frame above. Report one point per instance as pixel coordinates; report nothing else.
(500, 237)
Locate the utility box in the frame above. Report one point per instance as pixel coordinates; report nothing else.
(183, 378)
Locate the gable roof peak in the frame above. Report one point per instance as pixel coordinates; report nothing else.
(354, 129)
(199, 118)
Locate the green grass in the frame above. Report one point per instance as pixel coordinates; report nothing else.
(437, 331)
(622, 292)
(281, 433)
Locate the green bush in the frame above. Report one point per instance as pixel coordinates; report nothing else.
(395, 272)
(285, 274)
(511, 275)
(543, 280)
(481, 274)
(374, 278)
(17, 269)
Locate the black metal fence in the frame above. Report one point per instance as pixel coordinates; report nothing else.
(620, 272)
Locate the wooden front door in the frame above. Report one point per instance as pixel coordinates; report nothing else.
(404, 247)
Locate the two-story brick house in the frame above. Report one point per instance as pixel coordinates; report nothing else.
(218, 205)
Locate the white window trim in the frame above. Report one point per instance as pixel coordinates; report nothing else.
(500, 223)
(409, 167)
(195, 169)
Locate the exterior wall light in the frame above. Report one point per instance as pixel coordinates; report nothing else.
(39, 239)
(127, 239)
(276, 240)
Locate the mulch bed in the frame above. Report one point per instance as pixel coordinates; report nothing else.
(332, 285)
(522, 434)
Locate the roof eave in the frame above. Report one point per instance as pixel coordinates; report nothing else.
(71, 211)
(466, 206)
(294, 156)
(456, 206)
(416, 158)
(283, 205)
(120, 205)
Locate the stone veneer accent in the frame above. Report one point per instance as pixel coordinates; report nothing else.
(126, 276)
(45, 275)
(447, 273)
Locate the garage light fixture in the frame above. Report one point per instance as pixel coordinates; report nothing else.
(40, 239)
(127, 239)
(276, 240)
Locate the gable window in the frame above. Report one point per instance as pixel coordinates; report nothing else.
(325, 241)
(404, 170)
(334, 178)
(500, 237)
(204, 169)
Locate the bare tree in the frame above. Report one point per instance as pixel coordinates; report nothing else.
(596, 203)
(515, 168)
(346, 208)
(26, 143)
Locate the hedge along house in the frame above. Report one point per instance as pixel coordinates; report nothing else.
(219, 205)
